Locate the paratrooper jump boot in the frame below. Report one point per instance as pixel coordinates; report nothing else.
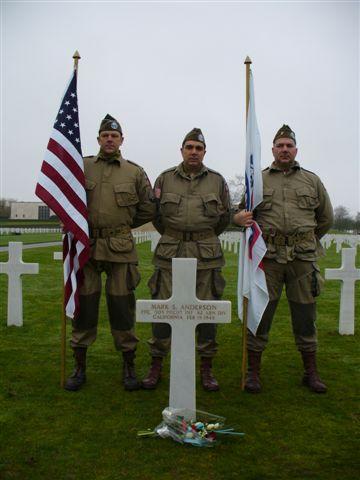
(311, 377)
(129, 379)
(252, 382)
(208, 380)
(78, 377)
(154, 374)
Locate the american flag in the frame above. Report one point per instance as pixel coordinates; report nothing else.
(61, 186)
(251, 275)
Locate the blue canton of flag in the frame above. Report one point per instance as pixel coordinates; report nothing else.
(67, 120)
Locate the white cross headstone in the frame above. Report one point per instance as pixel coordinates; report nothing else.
(14, 268)
(348, 273)
(155, 237)
(58, 256)
(183, 311)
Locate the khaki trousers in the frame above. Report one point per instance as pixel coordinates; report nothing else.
(303, 283)
(121, 281)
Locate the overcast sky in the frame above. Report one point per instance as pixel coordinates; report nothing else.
(162, 68)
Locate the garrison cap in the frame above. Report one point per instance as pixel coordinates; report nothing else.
(285, 132)
(109, 123)
(195, 134)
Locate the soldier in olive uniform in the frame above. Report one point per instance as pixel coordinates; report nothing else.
(119, 198)
(193, 209)
(294, 214)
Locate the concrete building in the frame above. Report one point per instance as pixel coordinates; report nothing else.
(30, 211)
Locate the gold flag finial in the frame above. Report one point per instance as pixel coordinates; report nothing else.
(76, 58)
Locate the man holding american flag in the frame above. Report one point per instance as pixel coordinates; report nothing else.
(98, 201)
(294, 214)
(119, 198)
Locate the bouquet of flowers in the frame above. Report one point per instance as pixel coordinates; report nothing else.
(195, 427)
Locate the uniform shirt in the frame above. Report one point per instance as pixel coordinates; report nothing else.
(119, 197)
(295, 213)
(198, 203)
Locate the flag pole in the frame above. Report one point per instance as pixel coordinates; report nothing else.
(76, 58)
(245, 300)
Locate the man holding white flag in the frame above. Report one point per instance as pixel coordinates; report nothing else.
(251, 278)
(294, 214)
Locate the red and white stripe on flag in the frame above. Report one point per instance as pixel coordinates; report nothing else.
(251, 275)
(61, 186)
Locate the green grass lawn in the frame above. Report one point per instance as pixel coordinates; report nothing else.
(291, 433)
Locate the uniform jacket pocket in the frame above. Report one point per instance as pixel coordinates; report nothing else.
(125, 194)
(169, 203)
(209, 249)
(211, 205)
(266, 204)
(167, 248)
(307, 198)
(123, 244)
(317, 281)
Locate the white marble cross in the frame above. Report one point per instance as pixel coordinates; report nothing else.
(348, 273)
(155, 237)
(183, 311)
(14, 268)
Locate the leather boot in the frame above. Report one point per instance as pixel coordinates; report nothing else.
(252, 382)
(208, 380)
(154, 374)
(78, 377)
(311, 377)
(129, 379)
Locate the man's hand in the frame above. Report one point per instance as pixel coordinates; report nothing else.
(243, 218)
(62, 226)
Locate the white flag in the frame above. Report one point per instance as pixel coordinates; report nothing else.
(251, 275)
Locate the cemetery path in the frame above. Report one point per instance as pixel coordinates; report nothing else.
(33, 245)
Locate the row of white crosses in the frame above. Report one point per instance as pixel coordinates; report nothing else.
(340, 240)
(15, 267)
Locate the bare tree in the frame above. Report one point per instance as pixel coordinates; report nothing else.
(236, 188)
(357, 223)
(342, 219)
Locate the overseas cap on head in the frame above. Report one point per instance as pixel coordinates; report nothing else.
(285, 132)
(195, 134)
(109, 123)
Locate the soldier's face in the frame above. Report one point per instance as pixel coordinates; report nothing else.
(284, 151)
(110, 141)
(193, 153)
